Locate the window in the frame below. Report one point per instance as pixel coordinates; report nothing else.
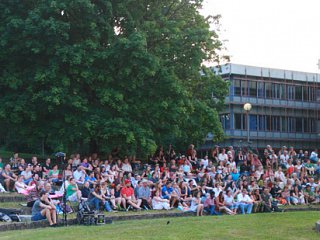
(275, 91)
(299, 93)
(282, 91)
(238, 121)
(312, 96)
(237, 87)
(268, 90)
(262, 123)
(299, 125)
(291, 92)
(306, 125)
(318, 95)
(284, 125)
(275, 121)
(305, 93)
(291, 124)
(244, 88)
(252, 89)
(268, 123)
(261, 91)
(253, 122)
(225, 121)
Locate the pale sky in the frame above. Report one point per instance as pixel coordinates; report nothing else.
(282, 34)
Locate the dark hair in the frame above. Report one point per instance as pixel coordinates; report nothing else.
(42, 192)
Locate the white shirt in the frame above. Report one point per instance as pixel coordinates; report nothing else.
(280, 175)
(78, 176)
(244, 198)
(223, 157)
(205, 162)
(228, 200)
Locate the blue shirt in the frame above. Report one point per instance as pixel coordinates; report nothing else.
(164, 190)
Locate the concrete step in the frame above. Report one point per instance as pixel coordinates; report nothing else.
(25, 218)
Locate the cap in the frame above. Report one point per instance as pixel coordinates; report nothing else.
(127, 181)
(144, 181)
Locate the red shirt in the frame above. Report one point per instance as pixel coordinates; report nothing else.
(128, 191)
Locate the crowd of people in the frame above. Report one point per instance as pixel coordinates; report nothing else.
(223, 181)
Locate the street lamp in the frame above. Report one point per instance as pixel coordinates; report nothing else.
(247, 107)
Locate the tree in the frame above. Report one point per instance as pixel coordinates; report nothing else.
(89, 75)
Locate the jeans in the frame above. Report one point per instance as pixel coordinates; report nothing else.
(95, 202)
(27, 181)
(247, 206)
(212, 211)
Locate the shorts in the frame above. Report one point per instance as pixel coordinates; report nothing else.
(37, 217)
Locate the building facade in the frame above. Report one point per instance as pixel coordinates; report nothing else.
(285, 107)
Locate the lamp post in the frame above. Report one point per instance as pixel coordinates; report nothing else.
(247, 107)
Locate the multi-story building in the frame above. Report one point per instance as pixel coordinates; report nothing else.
(285, 107)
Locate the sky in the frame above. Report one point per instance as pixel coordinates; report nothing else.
(283, 34)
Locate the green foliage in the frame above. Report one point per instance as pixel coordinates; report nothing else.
(107, 73)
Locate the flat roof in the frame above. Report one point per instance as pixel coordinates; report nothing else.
(238, 69)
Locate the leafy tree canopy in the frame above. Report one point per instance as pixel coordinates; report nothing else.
(89, 75)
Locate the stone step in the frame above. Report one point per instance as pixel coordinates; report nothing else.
(26, 210)
(14, 198)
(25, 218)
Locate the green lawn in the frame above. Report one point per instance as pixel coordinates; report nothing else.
(296, 225)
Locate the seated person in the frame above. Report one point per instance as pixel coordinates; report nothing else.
(41, 210)
(85, 191)
(23, 188)
(27, 174)
(209, 204)
(54, 174)
(79, 175)
(159, 203)
(196, 205)
(245, 202)
(7, 177)
(73, 192)
(127, 193)
(96, 199)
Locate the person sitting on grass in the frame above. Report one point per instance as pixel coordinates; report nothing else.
(230, 202)
(117, 198)
(144, 194)
(267, 205)
(127, 193)
(220, 204)
(196, 205)
(209, 204)
(41, 210)
(166, 192)
(309, 195)
(245, 202)
(257, 201)
(159, 203)
(96, 199)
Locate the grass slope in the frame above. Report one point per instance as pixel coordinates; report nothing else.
(296, 225)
